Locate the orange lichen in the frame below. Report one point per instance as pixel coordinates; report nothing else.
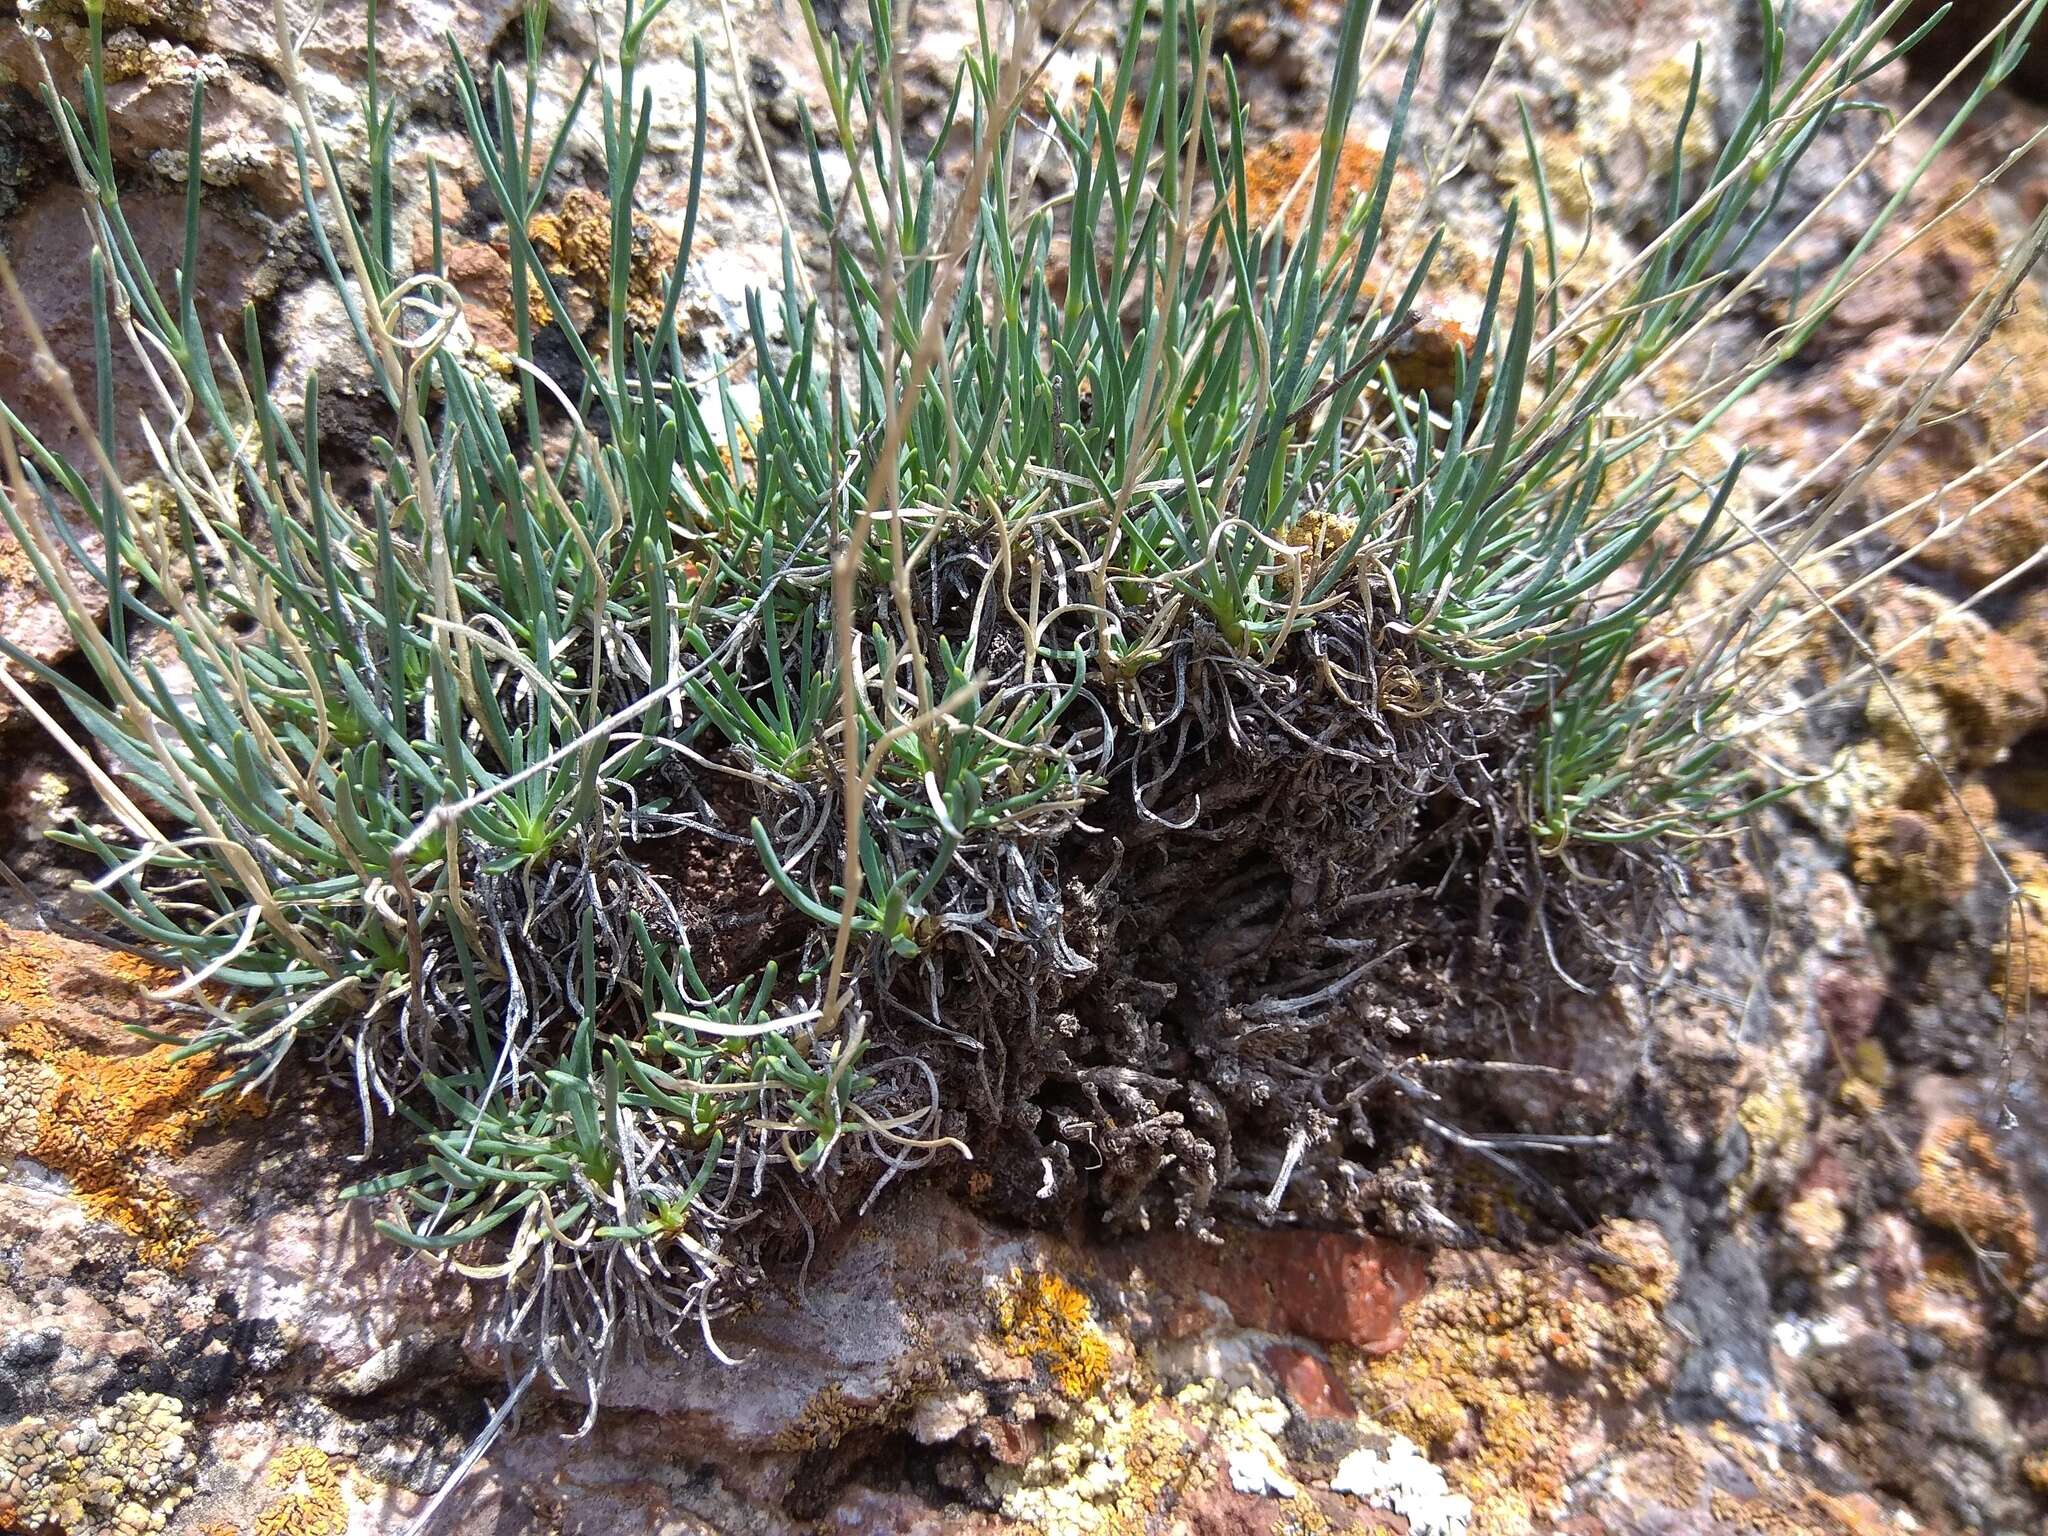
(1505, 1365)
(574, 243)
(1273, 170)
(1965, 1187)
(310, 1503)
(82, 1109)
(2026, 935)
(2034, 1468)
(1915, 861)
(1044, 1318)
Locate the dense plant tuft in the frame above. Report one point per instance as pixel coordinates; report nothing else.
(1100, 717)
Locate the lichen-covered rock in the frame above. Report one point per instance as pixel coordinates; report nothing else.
(91, 1102)
(1961, 691)
(1043, 1318)
(1966, 1187)
(1513, 1371)
(308, 1498)
(1959, 492)
(1919, 861)
(121, 1469)
(1402, 1480)
(1211, 1461)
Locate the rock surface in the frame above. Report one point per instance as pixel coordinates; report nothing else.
(1809, 1294)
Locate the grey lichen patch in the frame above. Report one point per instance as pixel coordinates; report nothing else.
(123, 1469)
(1117, 1459)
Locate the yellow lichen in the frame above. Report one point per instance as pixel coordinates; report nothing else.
(575, 241)
(1504, 1368)
(96, 1116)
(1657, 104)
(1867, 1075)
(1774, 1120)
(310, 1503)
(1044, 1318)
(1617, 130)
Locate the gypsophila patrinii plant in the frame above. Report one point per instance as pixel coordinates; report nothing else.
(1096, 714)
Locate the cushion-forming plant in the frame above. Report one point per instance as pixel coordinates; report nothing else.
(1101, 718)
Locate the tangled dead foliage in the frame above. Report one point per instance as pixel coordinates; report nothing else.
(1295, 889)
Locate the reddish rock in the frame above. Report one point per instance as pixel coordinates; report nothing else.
(56, 284)
(1332, 1287)
(1011, 1445)
(1848, 999)
(1310, 1383)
